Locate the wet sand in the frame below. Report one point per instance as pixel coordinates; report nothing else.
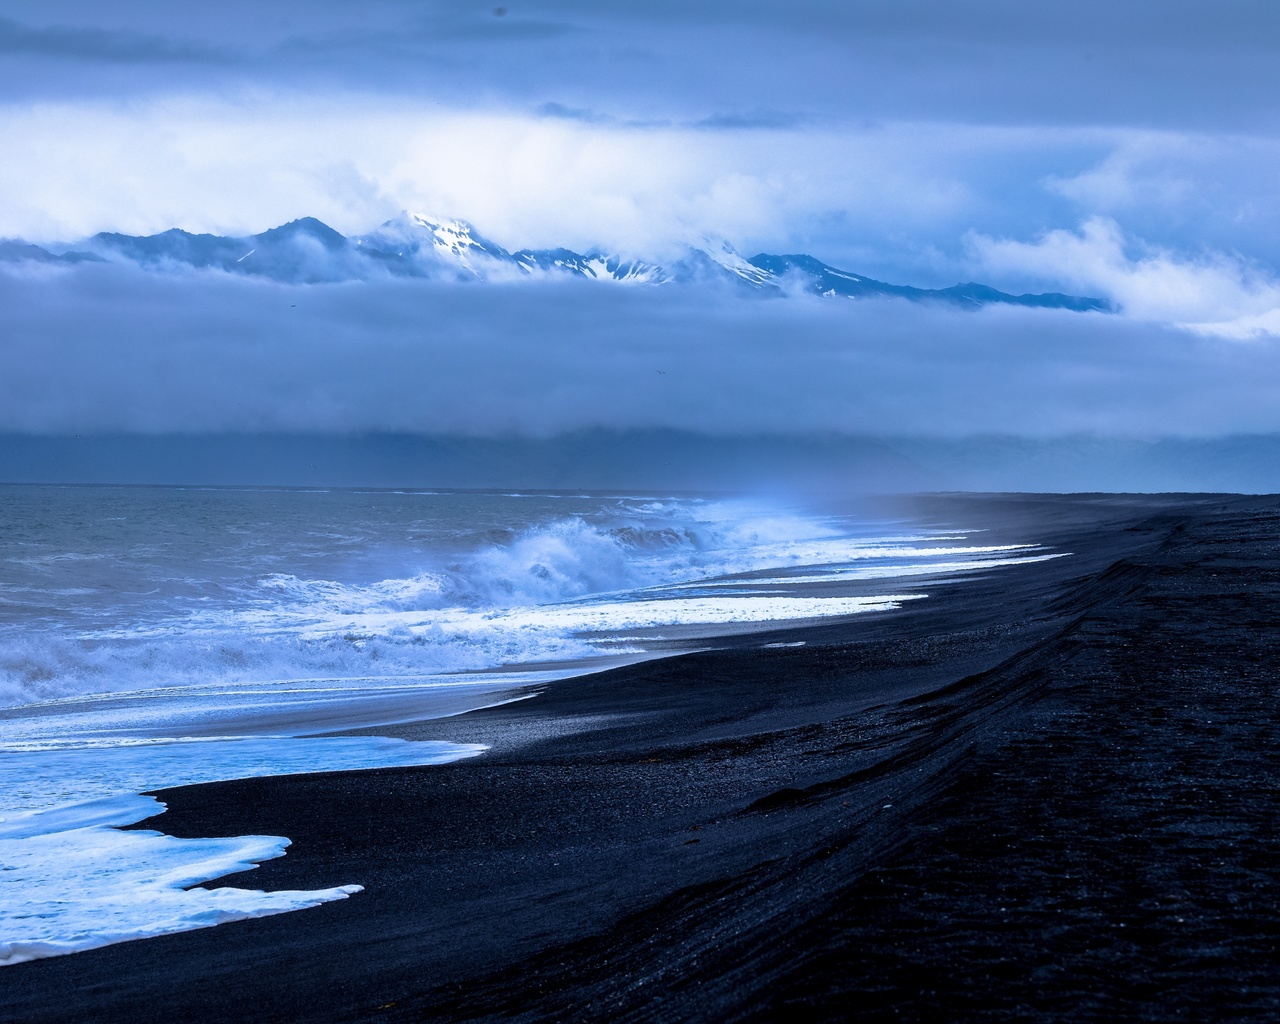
(1051, 793)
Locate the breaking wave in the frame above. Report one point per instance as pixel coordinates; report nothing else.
(555, 589)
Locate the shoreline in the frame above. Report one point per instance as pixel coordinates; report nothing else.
(725, 835)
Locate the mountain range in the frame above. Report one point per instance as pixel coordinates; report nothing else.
(308, 251)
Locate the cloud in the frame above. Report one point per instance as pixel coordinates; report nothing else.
(238, 165)
(1245, 327)
(1142, 172)
(1215, 293)
(581, 114)
(17, 39)
(752, 119)
(491, 23)
(1183, 189)
(1147, 63)
(107, 348)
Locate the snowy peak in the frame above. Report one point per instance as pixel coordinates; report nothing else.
(724, 255)
(419, 238)
(457, 238)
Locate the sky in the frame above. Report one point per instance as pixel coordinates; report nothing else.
(1125, 150)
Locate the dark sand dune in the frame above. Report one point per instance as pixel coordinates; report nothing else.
(1048, 794)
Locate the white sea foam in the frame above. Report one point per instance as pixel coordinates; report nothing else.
(111, 811)
(83, 887)
(878, 572)
(73, 881)
(73, 770)
(217, 710)
(551, 622)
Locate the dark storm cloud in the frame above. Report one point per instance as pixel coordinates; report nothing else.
(1163, 63)
(64, 43)
(104, 348)
(582, 115)
(749, 120)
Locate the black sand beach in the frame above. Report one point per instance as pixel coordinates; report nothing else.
(1048, 794)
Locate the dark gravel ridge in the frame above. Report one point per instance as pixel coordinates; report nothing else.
(1049, 794)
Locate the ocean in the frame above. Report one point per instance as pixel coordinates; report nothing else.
(152, 637)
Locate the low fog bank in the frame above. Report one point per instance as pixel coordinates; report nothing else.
(109, 375)
(102, 349)
(668, 461)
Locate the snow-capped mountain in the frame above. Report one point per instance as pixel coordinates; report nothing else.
(728, 259)
(416, 244)
(419, 245)
(307, 251)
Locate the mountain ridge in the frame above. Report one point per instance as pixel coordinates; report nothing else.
(417, 245)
